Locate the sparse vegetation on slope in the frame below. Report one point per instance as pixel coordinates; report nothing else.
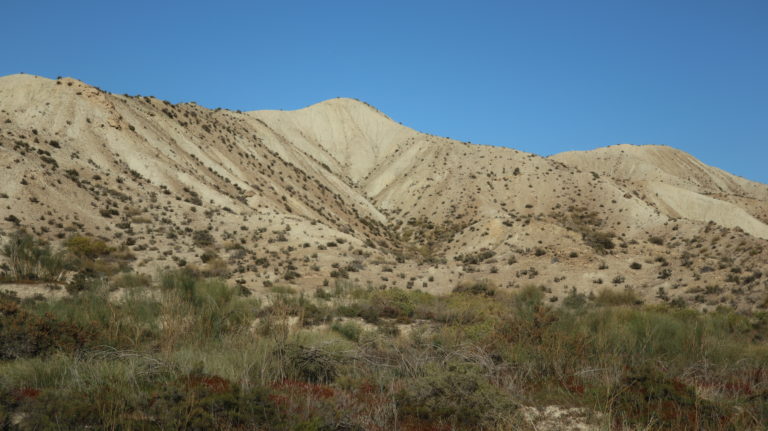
(188, 352)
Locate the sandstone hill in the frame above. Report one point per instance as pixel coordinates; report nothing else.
(340, 190)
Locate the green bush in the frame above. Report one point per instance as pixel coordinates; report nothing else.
(131, 280)
(181, 280)
(96, 259)
(24, 334)
(201, 401)
(609, 297)
(397, 304)
(313, 364)
(601, 242)
(349, 330)
(574, 299)
(86, 247)
(648, 397)
(203, 238)
(33, 260)
(82, 281)
(476, 287)
(475, 258)
(456, 395)
(528, 300)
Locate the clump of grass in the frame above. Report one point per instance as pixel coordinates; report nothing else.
(95, 259)
(476, 287)
(281, 289)
(612, 297)
(454, 396)
(205, 307)
(350, 330)
(131, 280)
(673, 404)
(86, 247)
(30, 259)
(312, 363)
(397, 304)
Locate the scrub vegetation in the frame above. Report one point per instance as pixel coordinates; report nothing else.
(185, 351)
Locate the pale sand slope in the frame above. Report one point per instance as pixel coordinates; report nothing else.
(680, 185)
(663, 164)
(343, 133)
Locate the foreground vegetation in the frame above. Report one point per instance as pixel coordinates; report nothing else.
(187, 352)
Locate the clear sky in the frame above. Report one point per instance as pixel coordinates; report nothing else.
(540, 76)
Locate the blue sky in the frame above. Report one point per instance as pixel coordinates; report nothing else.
(540, 76)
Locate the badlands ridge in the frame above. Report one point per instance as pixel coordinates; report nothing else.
(340, 190)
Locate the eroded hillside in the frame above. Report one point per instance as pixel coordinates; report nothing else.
(338, 189)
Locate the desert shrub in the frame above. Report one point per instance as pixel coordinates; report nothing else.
(308, 312)
(475, 258)
(96, 259)
(314, 364)
(525, 323)
(575, 299)
(398, 304)
(202, 238)
(31, 259)
(282, 289)
(756, 407)
(211, 293)
(86, 247)
(465, 315)
(680, 337)
(216, 308)
(610, 297)
(51, 410)
(182, 280)
(82, 281)
(201, 401)
(648, 397)
(312, 314)
(290, 274)
(349, 330)
(131, 280)
(476, 287)
(455, 395)
(528, 300)
(215, 268)
(601, 242)
(343, 287)
(323, 294)
(316, 406)
(208, 255)
(24, 334)
(340, 273)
